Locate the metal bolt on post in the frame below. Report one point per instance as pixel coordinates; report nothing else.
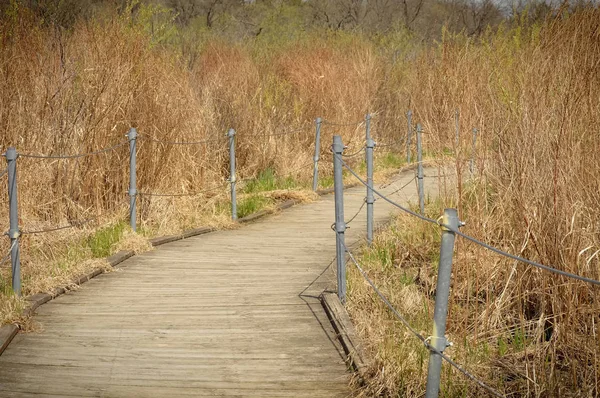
(132, 136)
(232, 179)
(340, 225)
(13, 232)
(317, 152)
(409, 118)
(370, 197)
(438, 340)
(472, 162)
(420, 170)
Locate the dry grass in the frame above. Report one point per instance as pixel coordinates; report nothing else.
(64, 92)
(532, 92)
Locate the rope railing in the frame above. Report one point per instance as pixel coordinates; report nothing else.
(362, 206)
(74, 156)
(74, 224)
(185, 143)
(342, 124)
(178, 195)
(288, 174)
(7, 256)
(361, 150)
(470, 238)
(403, 186)
(289, 132)
(416, 334)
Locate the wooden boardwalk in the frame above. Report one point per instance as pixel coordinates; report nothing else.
(228, 314)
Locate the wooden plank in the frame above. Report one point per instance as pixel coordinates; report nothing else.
(119, 257)
(231, 313)
(7, 333)
(345, 331)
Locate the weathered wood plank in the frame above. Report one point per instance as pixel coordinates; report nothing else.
(232, 313)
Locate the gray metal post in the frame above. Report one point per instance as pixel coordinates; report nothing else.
(420, 170)
(317, 152)
(456, 125)
(13, 232)
(409, 118)
(132, 135)
(472, 162)
(438, 340)
(370, 197)
(232, 179)
(340, 225)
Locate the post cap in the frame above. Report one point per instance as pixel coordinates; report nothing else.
(132, 134)
(230, 133)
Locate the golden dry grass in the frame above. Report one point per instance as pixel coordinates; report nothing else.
(532, 91)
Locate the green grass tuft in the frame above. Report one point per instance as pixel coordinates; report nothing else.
(101, 242)
(268, 180)
(252, 204)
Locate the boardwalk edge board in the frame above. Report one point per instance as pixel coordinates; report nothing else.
(8, 332)
(345, 332)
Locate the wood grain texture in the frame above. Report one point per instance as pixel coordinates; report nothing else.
(231, 313)
(345, 331)
(7, 334)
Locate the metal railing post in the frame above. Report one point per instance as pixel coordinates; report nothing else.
(420, 170)
(317, 153)
(370, 198)
(232, 179)
(340, 225)
(472, 162)
(438, 340)
(132, 136)
(13, 232)
(409, 132)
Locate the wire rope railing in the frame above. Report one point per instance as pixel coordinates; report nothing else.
(284, 133)
(343, 124)
(187, 194)
(416, 334)
(470, 238)
(184, 143)
(7, 256)
(73, 224)
(74, 156)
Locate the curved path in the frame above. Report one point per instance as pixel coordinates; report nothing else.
(228, 314)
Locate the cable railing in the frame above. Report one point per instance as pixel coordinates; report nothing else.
(343, 124)
(468, 237)
(180, 195)
(284, 133)
(74, 156)
(73, 224)
(228, 141)
(450, 228)
(339, 158)
(416, 334)
(184, 143)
